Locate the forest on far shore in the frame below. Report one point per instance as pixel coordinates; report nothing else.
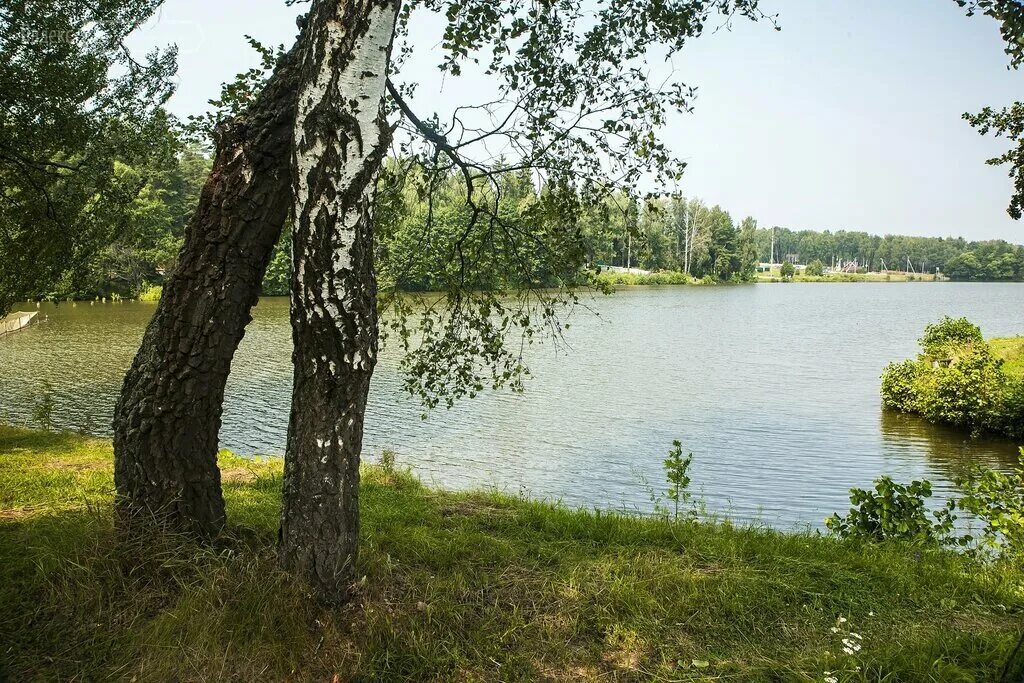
(660, 234)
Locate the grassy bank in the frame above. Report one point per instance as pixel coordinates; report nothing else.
(1011, 350)
(776, 276)
(667, 277)
(463, 586)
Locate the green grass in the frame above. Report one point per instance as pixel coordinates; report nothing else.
(468, 586)
(666, 277)
(1011, 350)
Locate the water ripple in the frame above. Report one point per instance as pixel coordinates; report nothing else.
(774, 389)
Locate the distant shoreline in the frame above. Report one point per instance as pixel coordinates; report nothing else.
(655, 279)
(661, 278)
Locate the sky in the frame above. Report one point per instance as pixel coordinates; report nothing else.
(847, 118)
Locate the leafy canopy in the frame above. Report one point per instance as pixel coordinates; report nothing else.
(1008, 121)
(575, 120)
(73, 101)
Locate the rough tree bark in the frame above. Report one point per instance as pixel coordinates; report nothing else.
(168, 414)
(341, 136)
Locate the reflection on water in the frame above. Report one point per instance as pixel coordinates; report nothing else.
(948, 450)
(773, 387)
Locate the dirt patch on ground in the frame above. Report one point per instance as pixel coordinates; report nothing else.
(580, 672)
(77, 466)
(472, 508)
(237, 475)
(14, 514)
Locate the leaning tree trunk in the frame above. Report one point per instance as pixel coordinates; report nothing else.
(168, 414)
(341, 136)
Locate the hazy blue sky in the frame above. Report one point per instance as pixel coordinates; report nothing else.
(847, 118)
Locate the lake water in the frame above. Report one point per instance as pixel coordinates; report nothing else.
(773, 387)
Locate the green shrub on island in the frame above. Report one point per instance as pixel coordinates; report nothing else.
(787, 271)
(957, 380)
(899, 383)
(949, 335)
(815, 268)
(1011, 404)
(967, 393)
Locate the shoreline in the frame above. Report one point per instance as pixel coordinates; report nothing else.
(666, 279)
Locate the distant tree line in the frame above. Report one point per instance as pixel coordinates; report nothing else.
(686, 235)
(954, 257)
(671, 234)
(659, 234)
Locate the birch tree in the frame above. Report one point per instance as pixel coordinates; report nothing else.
(341, 136)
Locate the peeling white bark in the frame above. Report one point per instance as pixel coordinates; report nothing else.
(341, 137)
(357, 92)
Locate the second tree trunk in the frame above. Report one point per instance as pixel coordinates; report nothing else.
(168, 413)
(341, 136)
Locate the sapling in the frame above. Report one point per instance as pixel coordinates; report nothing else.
(42, 411)
(676, 472)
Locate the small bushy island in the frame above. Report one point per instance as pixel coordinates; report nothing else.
(482, 586)
(962, 380)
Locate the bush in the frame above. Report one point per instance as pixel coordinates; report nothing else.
(1009, 417)
(816, 268)
(787, 271)
(997, 499)
(677, 470)
(42, 409)
(965, 394)
(894, 512)
(958, 380)
(899, 386)
(899, 512)
(948, 335)
(662, 277)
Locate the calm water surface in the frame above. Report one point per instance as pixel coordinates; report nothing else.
(773, 387)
